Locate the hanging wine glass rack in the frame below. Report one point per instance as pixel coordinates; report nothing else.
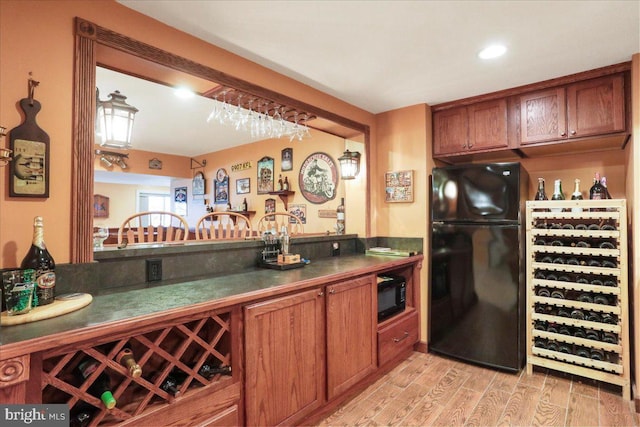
(188, 346)
(577, 292)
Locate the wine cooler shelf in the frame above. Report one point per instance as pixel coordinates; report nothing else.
(577, 295)
(120, 378)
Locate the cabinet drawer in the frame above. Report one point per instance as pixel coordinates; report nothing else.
(397, 337)
(228, 417)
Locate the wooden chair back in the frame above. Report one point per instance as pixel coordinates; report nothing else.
(223, 226)
(153, 226)
(276, 220)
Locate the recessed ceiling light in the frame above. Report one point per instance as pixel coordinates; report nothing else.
(183, 92)
(492, 51)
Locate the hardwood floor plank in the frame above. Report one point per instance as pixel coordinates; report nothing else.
(582, 410)
(505, 382)
(424, 414)
(459, 408)
(397, 409)
(521, 406)
(614, 410)
(489, 408)
(447, 386)
(479, 379)
(534, 380)
(585, 386)
(549, 415)
(410, 372)
(556, 391)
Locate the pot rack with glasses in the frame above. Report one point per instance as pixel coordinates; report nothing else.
(261, 117)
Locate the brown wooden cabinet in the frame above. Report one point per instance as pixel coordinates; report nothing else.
(284, 358)
(587, 108)
(474, 128)
(351, 333)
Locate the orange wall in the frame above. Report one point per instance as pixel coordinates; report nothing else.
(46, 49)
(122, 201)
(138, 162)
(404, 142)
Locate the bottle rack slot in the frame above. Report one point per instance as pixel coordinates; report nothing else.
(577, 295)
(173, 361)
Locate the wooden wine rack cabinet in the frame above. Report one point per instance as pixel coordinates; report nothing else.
(185, 344)
(544, 224)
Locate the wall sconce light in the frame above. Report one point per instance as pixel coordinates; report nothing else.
(5, 153)
(109, 158)
(349, 164)
(114, 121)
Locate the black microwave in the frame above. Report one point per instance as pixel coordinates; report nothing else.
(391, 295)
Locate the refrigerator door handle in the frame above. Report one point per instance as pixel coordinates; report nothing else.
(438, 223)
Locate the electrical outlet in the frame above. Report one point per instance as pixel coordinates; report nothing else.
(335, 249)
(154, 270)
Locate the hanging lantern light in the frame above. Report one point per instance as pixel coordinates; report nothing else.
(349, 164)
(114, 121)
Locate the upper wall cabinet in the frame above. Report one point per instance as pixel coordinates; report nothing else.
(588, 108)
(477, 127)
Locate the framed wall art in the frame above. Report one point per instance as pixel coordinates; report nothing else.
(265, 175)
(221, 187)
(180, 200)
(287, 159)
(299, 210)
(243, 186)
(198, 186)
(318, 178)
(100, 206)
(269, 207)
(398, 186)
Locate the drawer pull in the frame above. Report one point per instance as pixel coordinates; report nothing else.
(404, 337)
(332, 291)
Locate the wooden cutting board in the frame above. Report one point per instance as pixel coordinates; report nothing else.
(62, 305)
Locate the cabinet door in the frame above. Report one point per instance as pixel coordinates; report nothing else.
(488, 125)
(450, 131)
(284, 358)
(543, 116)
(596, 106)
(351, 333)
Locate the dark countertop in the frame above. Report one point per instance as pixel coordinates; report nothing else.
(121, 310)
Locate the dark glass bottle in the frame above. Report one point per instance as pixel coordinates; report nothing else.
(606, 245)
(596, 354)
(172, 382)
(609, 318)
(539, 242)
(563, 347)
(564, 330)
(564, 312)
(610, 337)
(593, 227)
(101, 387)
(582, 280)
(608, 227)
(285, 184)
(610, 282)
(597, 191)
(577, 314)
(540, 343)
(552, 345)
(541, 194)
(582, 352)
(592, 316)
(81, 414)
(543, 292)
(557, 190)
(553, 328)
(608, 264)
(592, 335)
(579, 333)
(603, 182)
(39, 259)
(244, 205)
(596, 282)
(126, 359)
(557, 243)
(601, 299)
(581, 226)
(208, 371)
(585, 297)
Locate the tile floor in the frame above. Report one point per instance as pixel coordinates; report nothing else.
(430, 390)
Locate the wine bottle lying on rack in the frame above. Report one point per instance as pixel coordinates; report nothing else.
(101, 387)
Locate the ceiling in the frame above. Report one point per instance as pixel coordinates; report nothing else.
(376, 55)
(383, 55)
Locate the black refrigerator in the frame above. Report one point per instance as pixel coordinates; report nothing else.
(477, 276)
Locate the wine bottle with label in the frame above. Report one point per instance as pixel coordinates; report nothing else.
(39, 259)
(340, 217)
(557, 194)
(541, 194)
(576, 195)
(280, 183)
(285, 184)
(101, 387)
(244, 205)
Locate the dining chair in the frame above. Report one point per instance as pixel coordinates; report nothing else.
(153, 226)
(276, 220)
(223, 226)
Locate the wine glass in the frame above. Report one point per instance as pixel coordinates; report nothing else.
(100, 234)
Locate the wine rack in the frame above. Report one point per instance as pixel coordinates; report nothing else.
(182, 346)
(577, 294)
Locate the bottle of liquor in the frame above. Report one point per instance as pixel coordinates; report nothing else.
(172, 381)
(340, 217)
(557, 194)
(244, 205)
(609, 318)
(576, 195)
(101, 387)
(126, 359)
(280, 183)
(609, 282)
(208, 371)
(285, 184)
(39, 259)
(541, 194)
(603, 182)
(597, 191)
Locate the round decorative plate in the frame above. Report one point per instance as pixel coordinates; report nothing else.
(318, 178)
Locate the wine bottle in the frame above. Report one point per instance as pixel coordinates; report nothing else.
(597, 191)
(340, 218)
(552, 276)
(603, 182)
(540, 275)
(582, 280)
(592, 335)
(582, 352)
(567, 226)
(208, 371)
(557, 243)
(592, 316)
(576, 195)
(581, 226)
(606, 245)
(596, 282)
(539, 242)
(555, 226)
(563, 347)
(582, 244)
(540, 343)
(609, 318)
(280, 183)
(39, 259)
(610, 337)
(244, 205)
(593, 227)
(553, 328)
(596, 354)
(81, 414)
(564, 312)
(557, 293)
(578, 333)
(171, 383)
(610, 282)
(601, 299)
(541, 194)
(101, 387)
(609, 264)
(573, 261)
(558, 260)
(577, 314)
(126, 359)
(585, 297)
(557, 194)
(540, 326)
(543, 292)
(608, 227)
(285, 184)
(552, 345)
(547, 259)
(564, 330)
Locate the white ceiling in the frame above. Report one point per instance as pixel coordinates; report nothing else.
(382, 55)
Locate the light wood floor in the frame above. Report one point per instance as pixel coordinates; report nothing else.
(427, 389)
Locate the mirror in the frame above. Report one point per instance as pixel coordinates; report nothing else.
(100, 46)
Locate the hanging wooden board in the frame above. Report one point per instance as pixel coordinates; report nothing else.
(29, 171)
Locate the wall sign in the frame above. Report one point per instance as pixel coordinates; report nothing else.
(287, 159)
(240, 166)
(398, 186)
(198, 186)
(221, 186)
(318, 178)
(100, 206)
(265, 175)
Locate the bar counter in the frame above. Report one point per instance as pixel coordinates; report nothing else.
(121, 310)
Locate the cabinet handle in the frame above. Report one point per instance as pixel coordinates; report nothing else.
(470, 145)
(320, 293)
(332, 291)
(464, 145)
(563, 134)
(573, 132)
(404, 337)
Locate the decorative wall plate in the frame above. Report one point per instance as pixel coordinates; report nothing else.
(221, 174)
(318, 178)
